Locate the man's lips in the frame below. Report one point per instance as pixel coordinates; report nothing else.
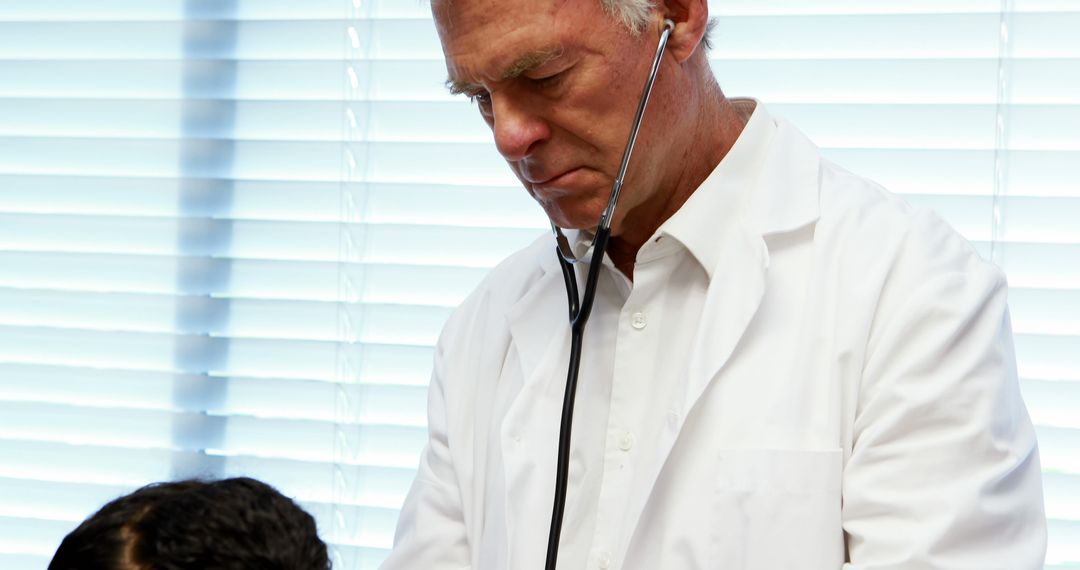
(552, 180)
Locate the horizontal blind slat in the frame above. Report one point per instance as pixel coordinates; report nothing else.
(266, 80)
(254, 279)
(266, 200)
(199, 354)
(1050, 357)
(247, 318)
(62, 464)
(1059, 449)
(306, 440)
(1063, 548)
(75, 10)
(164, 40)
(455, 246)
(274, 398)
(165, 119)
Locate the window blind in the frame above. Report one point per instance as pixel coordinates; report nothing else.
(199, 276)
(231, 230)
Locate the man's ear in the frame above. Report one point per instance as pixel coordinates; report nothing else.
(691, 19)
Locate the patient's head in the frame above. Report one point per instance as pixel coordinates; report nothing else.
(233, 524)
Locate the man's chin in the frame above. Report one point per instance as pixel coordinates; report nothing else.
(576, 222)
(574, 215)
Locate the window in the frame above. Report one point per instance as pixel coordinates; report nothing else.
(231, 230)
(197, 276)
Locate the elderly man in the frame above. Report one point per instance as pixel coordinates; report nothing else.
(786, 366)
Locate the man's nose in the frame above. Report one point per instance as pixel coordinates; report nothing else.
(518, 129)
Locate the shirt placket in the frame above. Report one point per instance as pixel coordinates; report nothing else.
(633, 347)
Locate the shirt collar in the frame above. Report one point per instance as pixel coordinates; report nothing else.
(718, 202)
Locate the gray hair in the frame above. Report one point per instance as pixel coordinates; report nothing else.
(634, 14)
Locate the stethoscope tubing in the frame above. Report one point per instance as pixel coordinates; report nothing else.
(580, 311)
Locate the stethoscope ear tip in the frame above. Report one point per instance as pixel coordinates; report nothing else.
(668, 25)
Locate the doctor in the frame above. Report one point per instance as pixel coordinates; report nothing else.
(786, 366)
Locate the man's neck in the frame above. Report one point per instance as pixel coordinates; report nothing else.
(709, 140)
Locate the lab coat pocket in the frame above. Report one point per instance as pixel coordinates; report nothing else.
(779, 509)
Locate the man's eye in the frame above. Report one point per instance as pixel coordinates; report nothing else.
(483, 98)
(548, 81)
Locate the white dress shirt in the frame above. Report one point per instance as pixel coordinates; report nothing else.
(637, 346)
(804, 373)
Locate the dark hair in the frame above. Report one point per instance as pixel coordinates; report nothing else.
(232, 524)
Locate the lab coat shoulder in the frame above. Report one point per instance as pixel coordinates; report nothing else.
(478, 328)
(942, 466)
(880, 231)
(476, 338)
(502, 288)
(890, 262)
(442, 514)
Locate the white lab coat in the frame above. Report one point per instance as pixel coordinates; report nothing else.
(851, 402)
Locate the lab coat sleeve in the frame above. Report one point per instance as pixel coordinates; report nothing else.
(431, 529)
(944, 468)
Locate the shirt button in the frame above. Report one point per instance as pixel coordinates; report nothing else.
(626, 441)
(637, 320)
(604, 562)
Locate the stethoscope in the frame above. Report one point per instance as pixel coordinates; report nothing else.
(579, 312)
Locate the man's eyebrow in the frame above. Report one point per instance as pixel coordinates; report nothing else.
(530, 61)
(520, 66)
(457, 87)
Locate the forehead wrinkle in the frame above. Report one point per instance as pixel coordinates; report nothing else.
(520, 66)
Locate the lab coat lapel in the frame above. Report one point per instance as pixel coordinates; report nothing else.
(732, 299)
(538, 320)
(785, 198)
(540, 335)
